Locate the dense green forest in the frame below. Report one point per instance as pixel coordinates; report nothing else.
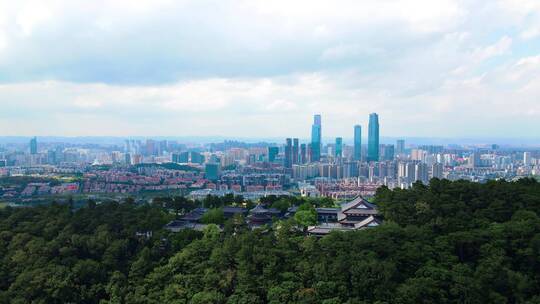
(449, 242)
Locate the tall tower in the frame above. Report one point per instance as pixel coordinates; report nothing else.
(288, 154)
(387, 152)
(295, 151)
(316, 137)
(437, 170)
(272, 153)
(303, 153)
(339, 147)
(33, 146)
(527, 158)
(357, 143)
(373, 137)
(400, 146)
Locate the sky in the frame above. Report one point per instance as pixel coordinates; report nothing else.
(258, 68)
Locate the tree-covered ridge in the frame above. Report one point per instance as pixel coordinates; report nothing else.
(449, 242)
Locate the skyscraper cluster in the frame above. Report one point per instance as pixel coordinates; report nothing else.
(373, 141)
(294, 153)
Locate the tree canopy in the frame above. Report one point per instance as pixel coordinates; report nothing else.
(447, 242)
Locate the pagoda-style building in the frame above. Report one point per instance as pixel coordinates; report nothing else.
(260, 215)
(354, 215)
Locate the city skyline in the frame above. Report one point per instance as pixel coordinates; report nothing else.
(315, 139)
(72, 68)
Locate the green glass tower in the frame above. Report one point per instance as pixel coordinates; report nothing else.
(211, 171)
(316, 138)
(339, 147)
(272, 153)
(373, 137)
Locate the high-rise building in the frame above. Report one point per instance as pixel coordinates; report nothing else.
(295, 151)
(162, 147)
(272, 153)
(339, 147)
(316, 138)
(419, 155)
(33, 146)
(127, 146)
(357, 155)
(372, 173)
(211, 171)
(251, 159)
(127, 158)
(150, 149)
(410, 172)
(400, 146)
(116, 157)
(402, 172)
(183, 157)
(373, 137)
(288, 154)
(391, 169)
(52, 158)
(214, 159)
(350, 169)
(421, 173)
(196, 158)
(437, 170)
(387, 152)
(475, 160)
(303, 153)
(527, 160)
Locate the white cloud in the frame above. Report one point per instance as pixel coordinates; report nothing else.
(238, 67)
(87, 102)
(279, 106)
(32, 15)
(499, 48)
(343, 51)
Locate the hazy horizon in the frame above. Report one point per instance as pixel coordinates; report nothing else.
(478, 141)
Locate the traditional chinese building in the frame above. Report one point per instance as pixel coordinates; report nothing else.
(354, 215)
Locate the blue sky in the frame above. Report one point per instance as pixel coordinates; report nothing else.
(263, 68)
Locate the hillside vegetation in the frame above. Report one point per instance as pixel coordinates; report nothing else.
(449, 242)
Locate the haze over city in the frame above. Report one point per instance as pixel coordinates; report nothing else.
(445, 69)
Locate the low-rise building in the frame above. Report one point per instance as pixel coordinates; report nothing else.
(354, 215)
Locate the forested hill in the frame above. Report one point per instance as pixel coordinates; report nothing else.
(449, 242)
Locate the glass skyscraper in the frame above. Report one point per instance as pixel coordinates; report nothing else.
(339, 147)
(303, 153)
(211, 171)
(33, 146)
(197, 158)
(272, 153)
(373, 137)
(287, 162)
(357, 143)
(316, 136)
(295, 151)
